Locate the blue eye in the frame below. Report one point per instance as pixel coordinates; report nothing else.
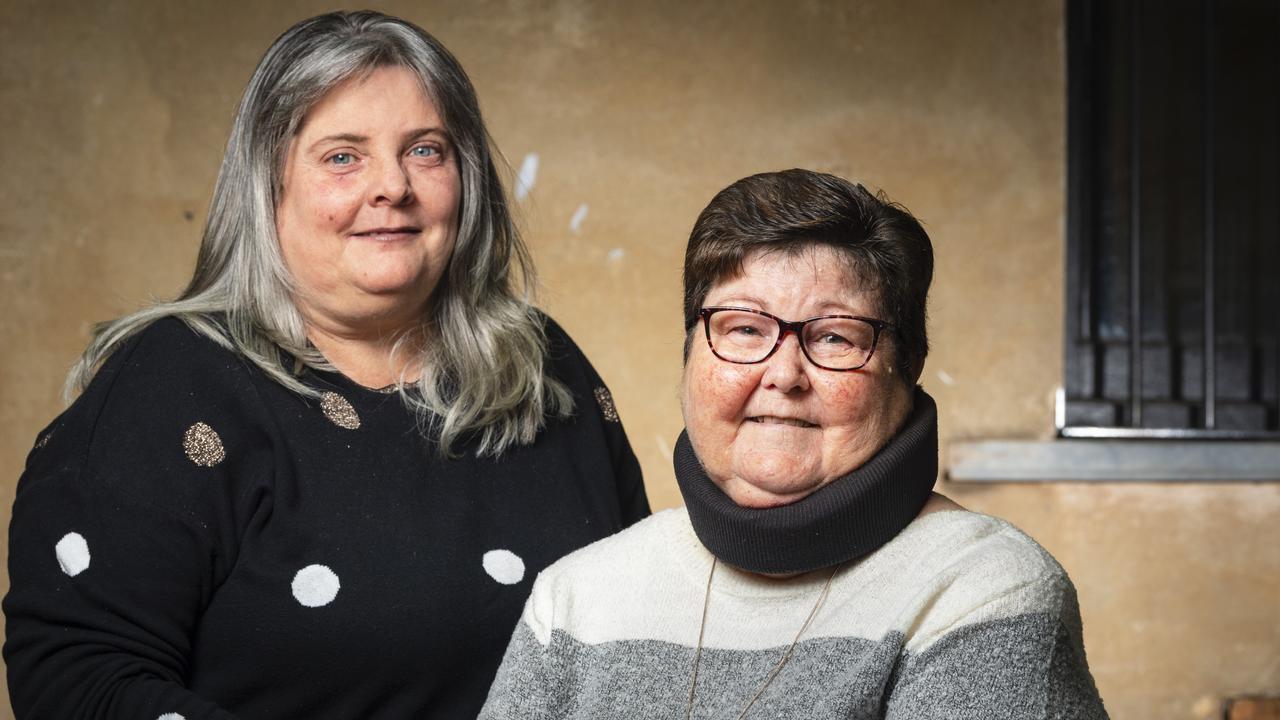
(424, 151)
(342, 158)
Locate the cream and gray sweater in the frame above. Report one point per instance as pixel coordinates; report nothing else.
(959, 616)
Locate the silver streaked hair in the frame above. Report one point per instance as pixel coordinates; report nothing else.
(486, 373)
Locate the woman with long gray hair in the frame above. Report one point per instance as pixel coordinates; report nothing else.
(320, 482)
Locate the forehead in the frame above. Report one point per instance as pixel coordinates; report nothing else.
(813, 279)
(366, 97)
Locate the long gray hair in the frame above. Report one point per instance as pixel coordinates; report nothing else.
(485, 370)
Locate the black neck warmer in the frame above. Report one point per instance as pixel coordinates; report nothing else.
(845, 519)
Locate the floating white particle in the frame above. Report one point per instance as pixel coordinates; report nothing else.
(528, 176)
(504, 566)
(575, 222)
(946, 378)
(73, 554)
(315, 586)
(616, 255)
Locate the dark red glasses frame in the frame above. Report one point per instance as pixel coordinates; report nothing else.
(794, 327)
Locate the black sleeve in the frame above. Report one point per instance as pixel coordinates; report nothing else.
(633, 502)
(124, 524)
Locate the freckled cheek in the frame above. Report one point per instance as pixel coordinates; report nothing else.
(719, 390)
(846, 401)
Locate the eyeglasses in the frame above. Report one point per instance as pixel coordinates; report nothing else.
(832, 342)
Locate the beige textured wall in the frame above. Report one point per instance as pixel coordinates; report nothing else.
(115, 115)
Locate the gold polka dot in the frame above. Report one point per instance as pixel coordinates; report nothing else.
(339, 411)
(202, 445)
(607, 408)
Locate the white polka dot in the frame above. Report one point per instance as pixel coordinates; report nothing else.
(315, 586)
(171, 716)
(73, 554)
(504, 566)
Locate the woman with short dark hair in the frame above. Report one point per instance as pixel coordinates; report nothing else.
(812, 573)
(320, 482)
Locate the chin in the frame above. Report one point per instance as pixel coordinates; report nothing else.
(394, 293)
(393, 282)
(763, 503)
(768, 491)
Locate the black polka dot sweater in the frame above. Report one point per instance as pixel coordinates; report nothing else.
(191, 540)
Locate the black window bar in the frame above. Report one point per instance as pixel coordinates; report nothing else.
(1173, 220)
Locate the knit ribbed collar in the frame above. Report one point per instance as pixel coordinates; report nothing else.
(846, 519)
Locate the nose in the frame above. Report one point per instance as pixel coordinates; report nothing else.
(786, 370)
(390, 185)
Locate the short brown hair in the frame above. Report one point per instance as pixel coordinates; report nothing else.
(793, 210)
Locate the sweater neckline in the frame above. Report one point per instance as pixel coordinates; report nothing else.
(334, 379)
(694, 560)
(334, 376)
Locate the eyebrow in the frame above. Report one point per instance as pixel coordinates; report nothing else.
(354, 138)
(740, 298)
(826, 308)
(341, 137)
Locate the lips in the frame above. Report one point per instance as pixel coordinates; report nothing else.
(775, 420)
(388, 233)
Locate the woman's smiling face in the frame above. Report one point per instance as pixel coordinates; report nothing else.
(769, 434)
(369, 210)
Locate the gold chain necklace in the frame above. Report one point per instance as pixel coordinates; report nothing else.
(697, 653)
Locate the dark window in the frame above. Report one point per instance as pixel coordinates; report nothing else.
(1173, 307)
